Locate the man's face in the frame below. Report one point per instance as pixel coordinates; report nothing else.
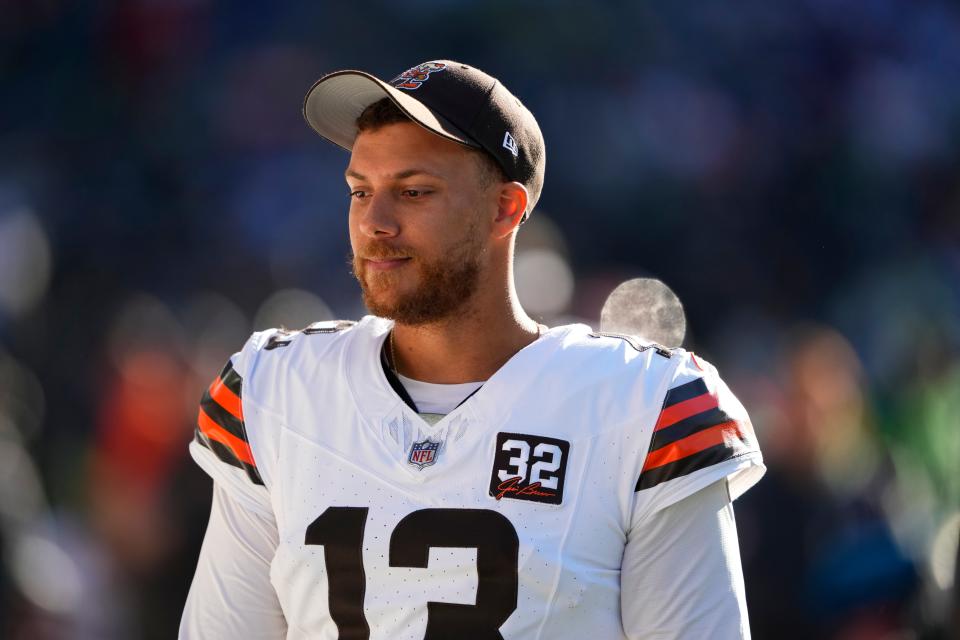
(418, 223)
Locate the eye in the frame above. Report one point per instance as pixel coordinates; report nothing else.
(414, 193)
(358, 194)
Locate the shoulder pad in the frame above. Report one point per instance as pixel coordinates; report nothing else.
(636, 342)
(283, 337)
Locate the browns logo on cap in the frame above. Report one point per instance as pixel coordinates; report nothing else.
(411, 79)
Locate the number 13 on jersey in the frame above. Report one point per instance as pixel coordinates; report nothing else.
(340, 531)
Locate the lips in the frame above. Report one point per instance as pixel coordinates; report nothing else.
(385, 264)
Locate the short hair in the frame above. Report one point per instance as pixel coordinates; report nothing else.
(384, 112)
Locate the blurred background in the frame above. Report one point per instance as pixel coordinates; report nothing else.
(790, 169)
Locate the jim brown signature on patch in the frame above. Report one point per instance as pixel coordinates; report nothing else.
(509, 487)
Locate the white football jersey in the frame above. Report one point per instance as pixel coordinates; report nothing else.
(508, 518)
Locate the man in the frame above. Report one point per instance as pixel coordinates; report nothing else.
(448, 468)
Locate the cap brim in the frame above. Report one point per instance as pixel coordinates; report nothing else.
(336, 100)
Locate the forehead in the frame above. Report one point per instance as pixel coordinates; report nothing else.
(394, 148)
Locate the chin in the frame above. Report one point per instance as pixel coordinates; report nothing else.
(382, 301)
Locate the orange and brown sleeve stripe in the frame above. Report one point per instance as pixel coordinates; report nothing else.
(220, 425)
(692, 433)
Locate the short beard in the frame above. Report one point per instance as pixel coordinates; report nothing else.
(445, 287)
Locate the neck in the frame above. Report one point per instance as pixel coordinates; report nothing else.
(469, 347)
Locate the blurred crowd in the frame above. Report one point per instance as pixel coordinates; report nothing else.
(791, 170)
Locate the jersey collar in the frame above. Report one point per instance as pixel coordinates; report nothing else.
(376, 397)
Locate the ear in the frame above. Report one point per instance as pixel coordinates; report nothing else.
(511, 205)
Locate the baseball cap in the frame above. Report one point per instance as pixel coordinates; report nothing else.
(449, 98)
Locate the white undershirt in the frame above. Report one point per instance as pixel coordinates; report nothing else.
(434, 401)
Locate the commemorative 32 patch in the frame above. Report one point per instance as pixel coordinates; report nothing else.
(528, 467)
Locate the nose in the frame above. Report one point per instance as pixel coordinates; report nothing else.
(376, 216)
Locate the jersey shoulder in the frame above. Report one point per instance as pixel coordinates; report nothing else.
(591, 383)
(629, 370)
(600, 353)
(702, 433)
(232, 438)
(273, 361)
(682, 425)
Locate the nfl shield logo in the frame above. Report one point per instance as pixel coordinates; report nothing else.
(423, 454)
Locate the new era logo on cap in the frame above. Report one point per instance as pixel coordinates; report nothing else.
(510, 144)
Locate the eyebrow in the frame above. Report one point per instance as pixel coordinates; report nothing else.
(408, 173)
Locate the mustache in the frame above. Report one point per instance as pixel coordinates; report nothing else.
(382, 251)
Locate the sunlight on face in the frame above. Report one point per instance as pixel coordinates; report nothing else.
(418, 223)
